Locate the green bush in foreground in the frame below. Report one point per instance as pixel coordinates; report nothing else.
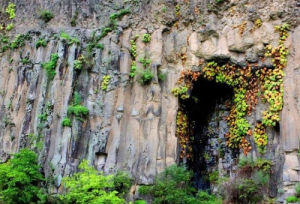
(292, 199)
(20, 178)
(173, 186)
(90, 186)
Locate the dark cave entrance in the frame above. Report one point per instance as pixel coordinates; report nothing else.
(208, 104)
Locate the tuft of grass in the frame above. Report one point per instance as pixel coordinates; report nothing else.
(46, 16)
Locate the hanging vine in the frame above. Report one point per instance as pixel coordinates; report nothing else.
(249, 83)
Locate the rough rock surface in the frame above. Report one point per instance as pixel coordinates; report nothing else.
(130, 126)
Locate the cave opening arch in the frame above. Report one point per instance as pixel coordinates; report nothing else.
(206, 109)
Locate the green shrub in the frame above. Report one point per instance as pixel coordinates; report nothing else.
(70, 40)
(146, 38)
(46, 16)
(173, 186)
(247, 190)
(41, 43)
(292, 199)
(20, 179)
(50, 66)
(206, 198)
(122, 183)
(79, 111)
(89, 186)
(146, 77)
(66, 122)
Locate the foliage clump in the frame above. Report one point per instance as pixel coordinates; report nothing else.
(91, 186)
(66, 122)
(20, 179)
(41, 43)
(11, 10)
(146, 77)
(50, 66)
(146, 38)
(173, 186)
(19, 41)
(105, 82)
(70, 40)
(46, 16)
(77, 109)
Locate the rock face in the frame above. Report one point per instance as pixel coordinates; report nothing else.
(130, 126)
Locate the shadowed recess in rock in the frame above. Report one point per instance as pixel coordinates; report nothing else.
(204, 108)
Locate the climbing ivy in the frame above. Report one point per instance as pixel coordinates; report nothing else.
(247, 82)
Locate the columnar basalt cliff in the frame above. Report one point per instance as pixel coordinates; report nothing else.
(84, 93)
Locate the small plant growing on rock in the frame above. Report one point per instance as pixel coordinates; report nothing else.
(66, 122)
(78, 64)
(19, 41)
(146, 38)
(145, 61)
(46, 16)
(146, 77)
(292, 199)
(132, 70)
(9, 26)
(41, 43)
(26, 60)
(50, 66)
(105, 82)
(77, 109)
(70, 40)
(11, 10)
